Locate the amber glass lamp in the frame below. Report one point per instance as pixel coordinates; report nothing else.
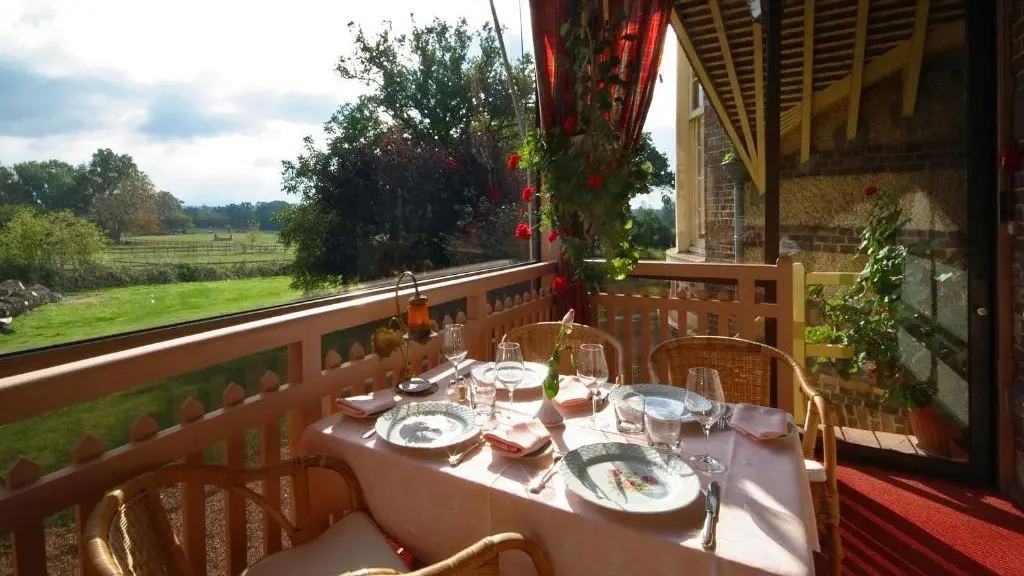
(417, 328)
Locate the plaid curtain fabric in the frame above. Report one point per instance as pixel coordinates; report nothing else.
(639, 39)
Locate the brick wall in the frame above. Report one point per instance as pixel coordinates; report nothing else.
(1017, 395)
(890, 158)
(718, 199)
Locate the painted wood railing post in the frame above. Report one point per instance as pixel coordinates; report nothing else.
(799, 320)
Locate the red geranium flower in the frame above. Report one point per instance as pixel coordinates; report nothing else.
(569, 124)
(528, 193)
(522, 211)
(553, 235)
(494, 194)
(453, 163)
(595, 181)
(560, 285)
(871, 190)
(513, 161)
(523, 231)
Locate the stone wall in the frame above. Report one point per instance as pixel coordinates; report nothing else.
(823, 207)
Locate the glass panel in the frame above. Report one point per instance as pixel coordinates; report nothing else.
(169, 183)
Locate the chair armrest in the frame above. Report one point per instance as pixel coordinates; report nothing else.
(487, 550)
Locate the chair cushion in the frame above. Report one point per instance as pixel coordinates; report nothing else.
(815, 471)
(352, 543)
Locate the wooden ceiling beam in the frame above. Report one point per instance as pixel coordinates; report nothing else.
(940, 38)
(709, 88)
(912, 72)
(737, 95)
(857, 77)
(758, 37)
(808, 82)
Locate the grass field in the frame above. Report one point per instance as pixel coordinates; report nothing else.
(200, 248)
(116, 310)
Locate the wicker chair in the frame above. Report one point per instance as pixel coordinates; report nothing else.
(129, 532)
(537, 341)
(745, 367)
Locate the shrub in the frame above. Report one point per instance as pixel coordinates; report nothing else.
(99, 275)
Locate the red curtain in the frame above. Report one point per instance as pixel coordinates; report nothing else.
(645, 27)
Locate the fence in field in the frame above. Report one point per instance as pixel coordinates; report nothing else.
(198, 253)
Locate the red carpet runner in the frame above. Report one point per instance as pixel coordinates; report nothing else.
(894, 523)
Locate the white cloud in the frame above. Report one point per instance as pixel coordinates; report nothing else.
(223, 50)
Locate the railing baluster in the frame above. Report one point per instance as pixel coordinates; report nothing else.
(645, 339)
(235, 533)
(270, 454)
(627, 339)
(193, 513)
(88, 448)
(28, 538)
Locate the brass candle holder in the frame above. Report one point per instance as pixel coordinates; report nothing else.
(417, 327)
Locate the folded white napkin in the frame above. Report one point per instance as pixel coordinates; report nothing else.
(759, 422)
(571, 393)
(367, 404)
(519, 439)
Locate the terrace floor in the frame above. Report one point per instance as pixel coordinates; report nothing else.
(895, 523)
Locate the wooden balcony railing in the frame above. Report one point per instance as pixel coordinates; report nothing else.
(721, 299)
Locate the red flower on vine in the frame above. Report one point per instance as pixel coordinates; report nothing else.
(528, 193)
(453, 163)
(871, 190)
(523, 231)
(513, 161)
(569, 124)
(595, 181)
(522, 211)
(560, 285)
(494, 194)
(553, 235)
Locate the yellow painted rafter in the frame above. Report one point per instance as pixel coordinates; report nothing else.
(734, 82)
(857, 76)
(941, 38)
(759, 102)
(807, 90)
(912, 72)
(709, 88)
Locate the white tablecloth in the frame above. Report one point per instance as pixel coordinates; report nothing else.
(766, 523)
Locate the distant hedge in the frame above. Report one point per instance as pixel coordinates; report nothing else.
(99, 275)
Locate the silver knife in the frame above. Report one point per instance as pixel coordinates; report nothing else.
(707, 533)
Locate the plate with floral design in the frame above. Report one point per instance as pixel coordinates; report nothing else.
(630, 478)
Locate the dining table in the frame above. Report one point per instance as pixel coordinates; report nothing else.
(765, 523)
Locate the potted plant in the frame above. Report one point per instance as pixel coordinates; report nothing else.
(870, 317)
(734, 167)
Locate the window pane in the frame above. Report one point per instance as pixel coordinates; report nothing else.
(148, 181)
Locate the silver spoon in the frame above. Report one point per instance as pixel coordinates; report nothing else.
(537, 485)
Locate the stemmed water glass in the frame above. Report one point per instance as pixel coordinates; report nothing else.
(454, 347)
(509, 366)
(592, 369)
(706, 401)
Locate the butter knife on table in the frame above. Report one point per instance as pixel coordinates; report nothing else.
(707, 532)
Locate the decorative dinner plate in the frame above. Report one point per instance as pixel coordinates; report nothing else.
(427, 425)
(630, 478)
(656, 396)
(533, 377)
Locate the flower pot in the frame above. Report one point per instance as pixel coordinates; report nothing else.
(548, 414)
(736, 171)
(935, 435)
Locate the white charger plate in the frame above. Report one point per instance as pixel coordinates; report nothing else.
(630, 478)
(669, 398)
(427, 425)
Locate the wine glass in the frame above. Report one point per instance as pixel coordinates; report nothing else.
(592, 369)
(706, 401)
(454, 347)
(509, 366)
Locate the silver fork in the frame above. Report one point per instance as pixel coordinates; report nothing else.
(456, 459)
(541, 481)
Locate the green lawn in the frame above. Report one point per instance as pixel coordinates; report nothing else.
(200, 248)
(116, 310)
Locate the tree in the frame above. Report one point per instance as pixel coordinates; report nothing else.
(650, 230)
(47, 185)
(129, 208)
(171, 213)
(661, 175)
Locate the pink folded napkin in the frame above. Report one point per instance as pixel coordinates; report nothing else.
(367, 404)
(571, 393)
(519, 439)
(759, 422)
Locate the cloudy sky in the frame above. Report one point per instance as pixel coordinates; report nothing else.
(208, 96)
